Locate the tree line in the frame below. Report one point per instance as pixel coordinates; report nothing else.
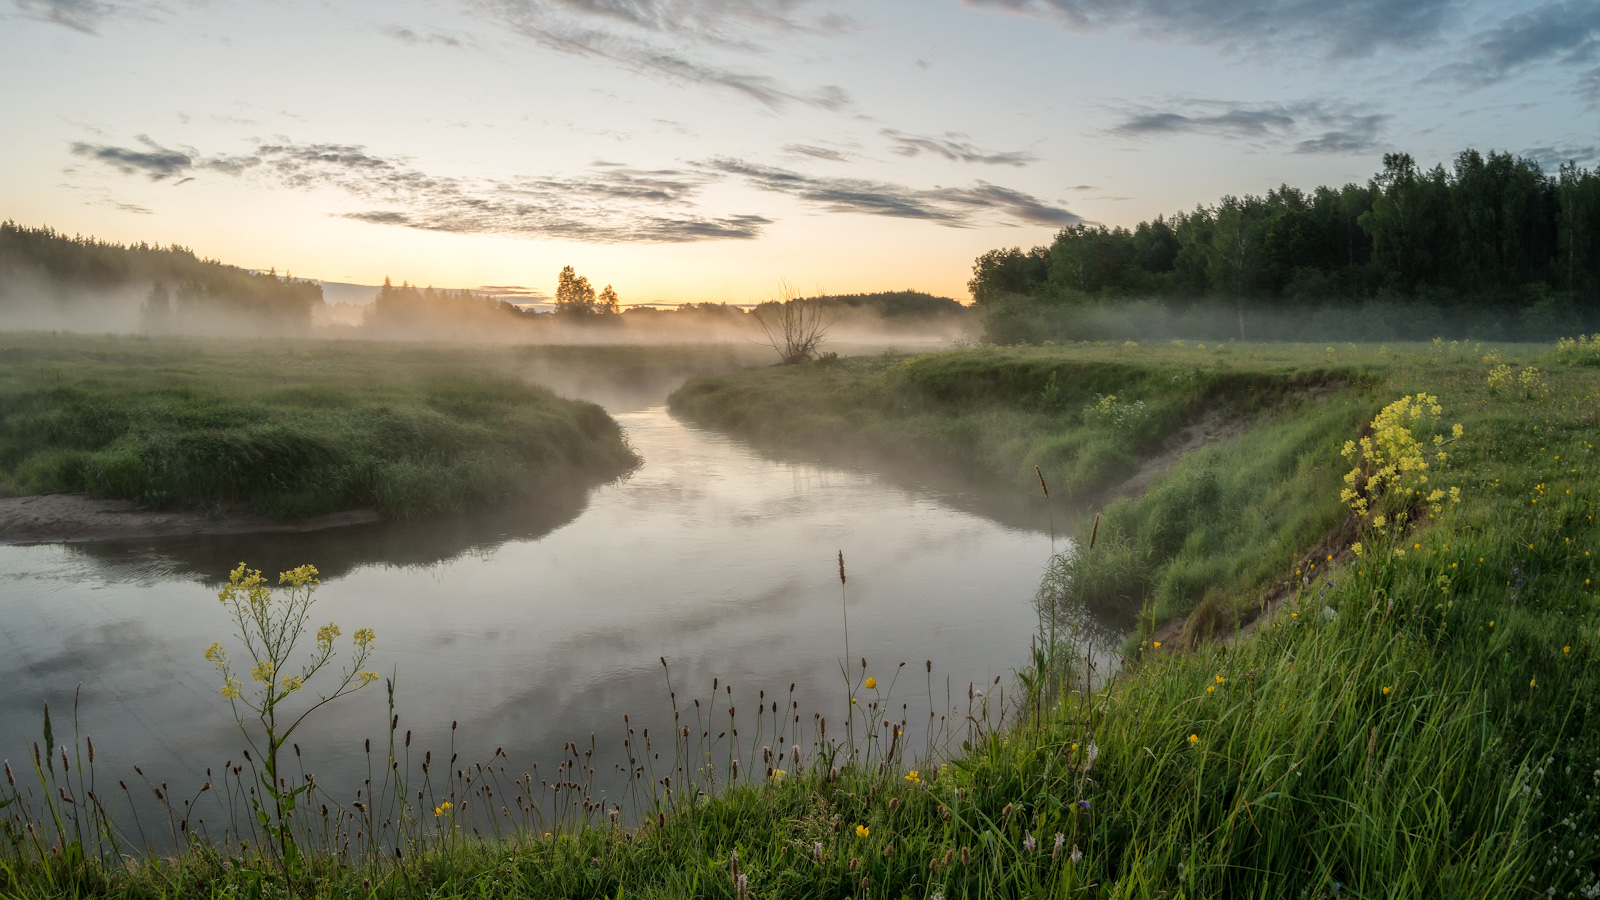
(1492, 246)
(42, 265)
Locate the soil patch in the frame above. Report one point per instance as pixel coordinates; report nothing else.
(1213, 427)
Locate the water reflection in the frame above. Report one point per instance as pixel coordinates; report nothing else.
(336, 552)
(534, 627)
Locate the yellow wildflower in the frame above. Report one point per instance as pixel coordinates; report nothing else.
(862, 831)
(871, 682)
(777, 774)
(1386, 690)
(914, 776)
(1194, 738)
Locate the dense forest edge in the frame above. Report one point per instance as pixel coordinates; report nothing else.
(1412, 717)
(1491, 247)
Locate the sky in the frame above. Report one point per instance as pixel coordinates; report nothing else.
(704, 150)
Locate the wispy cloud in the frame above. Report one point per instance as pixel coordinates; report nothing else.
(590, 28)
(413, 37)
(716, 20)
(1551, 159)
(608, 204)
(826, 154)
(154, 161)
(1338, 28)
(951, 147)
(1309, 127)
(79, 15)
(1565, 34)
(953, 207)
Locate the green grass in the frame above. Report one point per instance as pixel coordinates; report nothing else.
(290, 429)
(1418, 721)
(1002, 411)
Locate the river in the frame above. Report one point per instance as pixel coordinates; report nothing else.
(531, 628)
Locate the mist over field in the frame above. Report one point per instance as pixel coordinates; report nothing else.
(49, 282)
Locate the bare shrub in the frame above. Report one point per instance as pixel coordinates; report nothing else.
(793, 326)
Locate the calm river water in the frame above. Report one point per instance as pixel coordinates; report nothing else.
(531, 629)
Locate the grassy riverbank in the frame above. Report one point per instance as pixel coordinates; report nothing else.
(1413, 721)
(1086, 415)
(289, 429)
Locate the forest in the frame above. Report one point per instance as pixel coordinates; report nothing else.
(55, 279)
(1492, 247)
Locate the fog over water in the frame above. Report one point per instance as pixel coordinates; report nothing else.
(531, 628)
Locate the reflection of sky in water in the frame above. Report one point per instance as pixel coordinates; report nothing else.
(717, 558)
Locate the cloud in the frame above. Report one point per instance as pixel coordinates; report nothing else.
(579, 28)
(1551, 159)
(1341, 28)
(79, 15)
(814, 152)
(155, 161)
(707, 19)
(953, 207)
(608, 204)
(954, 150)
(1311, 127)
(408, 36)
(1566, 34)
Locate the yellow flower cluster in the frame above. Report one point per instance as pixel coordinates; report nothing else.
(326, 634)
(1499, 376)
(1530, 379)
(246, 585)
(1583, 348)
(230, 689)
(364, 636)
(299, 577)
(1393, 459)
(262, 671)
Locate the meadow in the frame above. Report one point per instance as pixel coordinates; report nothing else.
(297, 428)
(1407, 531)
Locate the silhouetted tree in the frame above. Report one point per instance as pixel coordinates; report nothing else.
(574, 296)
